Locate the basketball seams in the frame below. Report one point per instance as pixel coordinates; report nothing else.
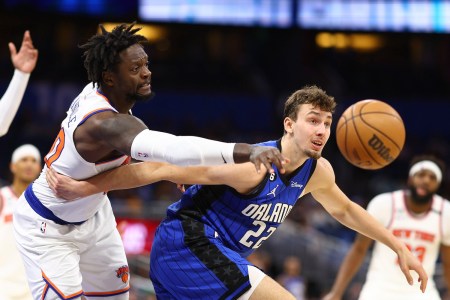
(382, 133)
(367, 113)
(360, 140)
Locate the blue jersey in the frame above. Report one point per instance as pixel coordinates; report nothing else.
(244, 222)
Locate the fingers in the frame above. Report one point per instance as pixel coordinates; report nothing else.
(423, 279)
(405, 270)
(12, 49)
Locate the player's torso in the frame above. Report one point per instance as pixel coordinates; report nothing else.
(9, 200)
(10, 262)
(422, 235)
(65, 159)
(244, 222)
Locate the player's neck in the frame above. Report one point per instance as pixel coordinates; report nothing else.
(19, 186)
(119, 102)
(291, 151)
(416, 207)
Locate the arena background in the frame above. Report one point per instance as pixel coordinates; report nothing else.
(222, 69)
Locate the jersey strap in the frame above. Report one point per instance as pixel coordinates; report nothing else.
(43, 211)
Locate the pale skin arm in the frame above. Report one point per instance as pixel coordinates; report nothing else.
(350, 266)
(25, 60)
(445, 255)
(241, 177)
(324, 189)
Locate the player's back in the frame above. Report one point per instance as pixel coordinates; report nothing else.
(65, 159)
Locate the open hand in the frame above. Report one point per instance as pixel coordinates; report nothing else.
(63, 186)
(24, 60)
(267, 155)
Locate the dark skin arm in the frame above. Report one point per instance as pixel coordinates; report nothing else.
(107, 135)
(445, 255)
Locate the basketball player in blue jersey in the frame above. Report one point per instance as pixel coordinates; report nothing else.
(24, 63)
(200, 249)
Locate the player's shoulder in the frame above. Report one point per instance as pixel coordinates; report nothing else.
(323, 175)
(382, 201)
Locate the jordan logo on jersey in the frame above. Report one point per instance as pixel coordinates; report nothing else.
(273, 191)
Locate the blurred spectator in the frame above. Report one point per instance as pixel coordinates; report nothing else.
(291, 277)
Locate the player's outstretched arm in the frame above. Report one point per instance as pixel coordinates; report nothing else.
(129, 135)
(24, 61)
(350, 266)
(242, 177)
(324, 189)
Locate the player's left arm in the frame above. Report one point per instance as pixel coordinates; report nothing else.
(324, 189)
(24, 61)
(445, 255)
(242, 177)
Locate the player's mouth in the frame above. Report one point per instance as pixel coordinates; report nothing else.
(421, 191)
(317, 145)
(145, 88)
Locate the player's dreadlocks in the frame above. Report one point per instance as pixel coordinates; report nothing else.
(101, 52)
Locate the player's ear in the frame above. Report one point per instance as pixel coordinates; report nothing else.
(107, 77)
(288, 124)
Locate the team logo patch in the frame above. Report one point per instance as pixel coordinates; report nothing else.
(123, 273)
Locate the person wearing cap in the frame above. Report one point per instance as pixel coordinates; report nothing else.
(417, 216)
(25, 167)
(24, 62)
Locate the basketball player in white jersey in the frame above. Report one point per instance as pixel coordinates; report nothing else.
(417, 216)
(73, 248)
(24, 62)
(25, 166)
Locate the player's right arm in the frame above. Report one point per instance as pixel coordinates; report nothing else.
(242, 177)
(350, 266)
(24, 62)
(129, 135)
(324, 189)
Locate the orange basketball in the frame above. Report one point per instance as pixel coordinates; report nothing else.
(370, 134)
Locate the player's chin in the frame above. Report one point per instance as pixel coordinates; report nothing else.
(138, 97)
(314, 153)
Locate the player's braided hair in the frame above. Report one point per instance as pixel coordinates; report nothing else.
(101, 52)
(308, 95)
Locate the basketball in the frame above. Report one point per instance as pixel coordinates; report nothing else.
(370, 134)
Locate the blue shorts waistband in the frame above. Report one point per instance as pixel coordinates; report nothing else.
(43, 211)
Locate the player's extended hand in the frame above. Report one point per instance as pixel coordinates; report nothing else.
(407, 261)
(24, 60)
(63, 186)
(267, 155)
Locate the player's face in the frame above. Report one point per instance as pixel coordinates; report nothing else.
(26, 169)
(423, 185)
(312, 129)
(133, 77)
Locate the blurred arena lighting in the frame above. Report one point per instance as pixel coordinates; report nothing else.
(152, 32)
(355, 41)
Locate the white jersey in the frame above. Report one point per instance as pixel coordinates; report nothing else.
(422, 234)
(65, 159)
(13, 281)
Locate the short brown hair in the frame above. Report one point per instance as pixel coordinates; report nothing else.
(308, 95)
